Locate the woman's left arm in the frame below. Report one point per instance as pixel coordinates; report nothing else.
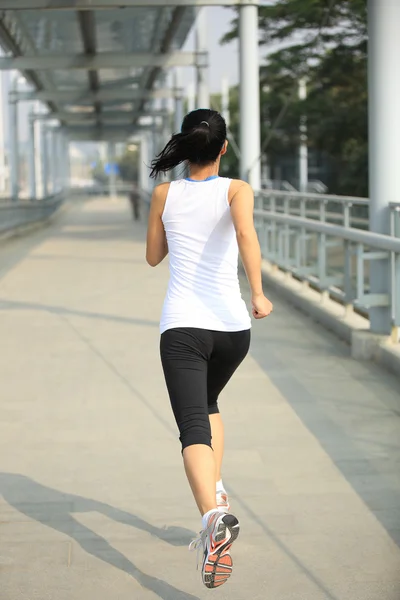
(157, 247)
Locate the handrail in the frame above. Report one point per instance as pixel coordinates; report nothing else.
(375, 240)
(313, 196)
(335, 259)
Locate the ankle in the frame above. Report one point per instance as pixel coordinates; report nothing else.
(220, 486)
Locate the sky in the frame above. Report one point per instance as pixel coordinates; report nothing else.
(224, 60)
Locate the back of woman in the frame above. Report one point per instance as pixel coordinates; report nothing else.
(203, 222)
(204, 287)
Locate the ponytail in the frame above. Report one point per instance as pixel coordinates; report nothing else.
(200, 142)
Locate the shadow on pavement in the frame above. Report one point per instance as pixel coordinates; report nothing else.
(55, 509)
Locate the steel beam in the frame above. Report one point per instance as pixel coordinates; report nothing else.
(102, 95)
(112, 4)
(100, 61)
(112, 117)
(87, 24)
(149, 80)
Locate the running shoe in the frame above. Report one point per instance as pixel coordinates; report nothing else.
(223, 501)
(215, 543)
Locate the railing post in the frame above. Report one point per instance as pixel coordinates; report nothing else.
(32, 165)
(273, 229)
(303, 233)
(322, 247)
(347, 283)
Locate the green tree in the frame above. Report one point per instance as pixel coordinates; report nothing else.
(128, 164)
(325, 42)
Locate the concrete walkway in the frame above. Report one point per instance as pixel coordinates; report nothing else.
(94, 504)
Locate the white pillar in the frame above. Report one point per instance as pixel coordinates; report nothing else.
(32, 164)
(66, 170)
(44, 160)
(203, 94)
(303, 149)
(52, 162)
(112, 179)
(178, 112)
(191, 96)
(143, 170)
(250, 143)
(384, 136)
(2, 137)
(225, 100)
(14, 144)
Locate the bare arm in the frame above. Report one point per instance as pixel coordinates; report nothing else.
(157, 247)
(242, 206)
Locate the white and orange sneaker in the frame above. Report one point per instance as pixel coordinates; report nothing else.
(215, 542)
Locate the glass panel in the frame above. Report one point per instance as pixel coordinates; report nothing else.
(53, 32)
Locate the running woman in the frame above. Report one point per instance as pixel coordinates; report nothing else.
(203, 222)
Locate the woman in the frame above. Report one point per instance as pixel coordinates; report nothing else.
(202, 222)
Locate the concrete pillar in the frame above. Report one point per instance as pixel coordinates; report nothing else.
(112, 179)
(384, 137)
(44, 160)
(3, 177)
(250, 142)
(203, 93)
(303, 148)
(191, 96)
(178, 114)
(225, 100)
(32, 155)
(66, 167)
(14, 143)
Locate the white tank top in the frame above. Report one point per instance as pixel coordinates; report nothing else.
(203, 289)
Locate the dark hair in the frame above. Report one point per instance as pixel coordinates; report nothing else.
(199, 142)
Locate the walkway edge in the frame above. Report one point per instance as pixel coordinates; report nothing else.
(350, 327)
(27, 228)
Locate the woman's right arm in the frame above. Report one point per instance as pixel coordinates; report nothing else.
(242, 206)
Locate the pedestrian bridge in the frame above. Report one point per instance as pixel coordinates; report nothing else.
(93, 498)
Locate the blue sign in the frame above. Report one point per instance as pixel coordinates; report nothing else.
(111, 169)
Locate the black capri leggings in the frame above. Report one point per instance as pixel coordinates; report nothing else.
(198, 363)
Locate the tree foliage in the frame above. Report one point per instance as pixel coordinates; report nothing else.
(324, 41)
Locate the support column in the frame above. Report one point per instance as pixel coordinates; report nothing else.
(178, 113)
(51, 167)
(112, 180)
(66, 170)
(250, 142)
(384, 137)
(303, 148)
(225, 100)
(44, 160)
(203, 93)
(191, 96)
(32, 165)
(2, 138)
(14, 145)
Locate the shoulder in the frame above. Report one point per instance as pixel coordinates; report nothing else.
(239, 185)
(161, 190)
(159, 196)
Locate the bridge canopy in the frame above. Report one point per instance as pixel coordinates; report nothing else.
(97, 70)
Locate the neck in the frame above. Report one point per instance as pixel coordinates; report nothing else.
(200, 173)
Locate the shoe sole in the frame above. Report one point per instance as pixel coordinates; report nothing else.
(218, 567)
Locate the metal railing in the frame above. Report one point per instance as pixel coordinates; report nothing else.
(17, 214)
(323, 240)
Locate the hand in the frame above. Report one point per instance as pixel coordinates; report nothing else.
(262, 307)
